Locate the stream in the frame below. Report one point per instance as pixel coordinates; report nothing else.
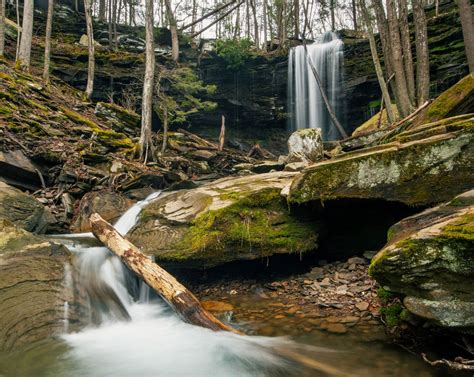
(132, 332)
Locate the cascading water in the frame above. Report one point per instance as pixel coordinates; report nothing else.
(305, 103)
(133, 336)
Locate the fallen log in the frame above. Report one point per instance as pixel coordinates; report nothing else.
(178, 296)
(173, 292)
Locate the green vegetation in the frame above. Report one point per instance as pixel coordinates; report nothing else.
(234, 52)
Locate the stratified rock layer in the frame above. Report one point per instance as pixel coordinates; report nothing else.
(36, 281)
(421, 166)
(230, 219)
(429, 258)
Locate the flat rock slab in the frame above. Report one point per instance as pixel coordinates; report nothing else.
(227, 220)
(420, 169)
(429, 259)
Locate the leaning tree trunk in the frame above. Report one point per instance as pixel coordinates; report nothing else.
(465, 13)
(146, 145)
(90, 46)
(24, 52)
(178, 296)
(404, 106)
(422, 54)
(47, 41)
(406, 47)
(378, 67)
(173, 292)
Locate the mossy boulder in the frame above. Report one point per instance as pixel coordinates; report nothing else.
(422, 166)
(22, 209)
(459, 99)
(36, 281)
(429, 259)
(228, 220)
(378, 121)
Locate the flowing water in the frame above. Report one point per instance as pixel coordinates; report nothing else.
(305, 102)
(131, 332)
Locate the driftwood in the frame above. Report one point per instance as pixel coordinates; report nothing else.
(173, 292)
(222, 135)
(459, 363)
(178, 296)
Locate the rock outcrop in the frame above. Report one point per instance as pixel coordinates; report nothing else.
(429, 259)
(22, 209)
(228, 220)
(419, 167)
(305, 145)
(36, 282)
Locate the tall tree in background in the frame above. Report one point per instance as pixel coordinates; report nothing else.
(24, 52)
(91, 50)
(2, 27)
(465, 13)
(102, 7)
(378, 68)
(332, 6)
(174, 31)
(146, 143)
(354, 14)
(403, 99)
(296, 16)
(406, 48)
(255, 24)
(47, 41)
(422, 54)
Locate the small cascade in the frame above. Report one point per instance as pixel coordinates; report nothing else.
(305, 103)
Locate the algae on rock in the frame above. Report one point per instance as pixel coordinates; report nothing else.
(429, 259)
(230, 219)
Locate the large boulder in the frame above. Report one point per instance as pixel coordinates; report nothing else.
(429, 258)
(35, 284)
(230, 219)
(424, 165)
(305, 145)
(23, 210)
(109, 205)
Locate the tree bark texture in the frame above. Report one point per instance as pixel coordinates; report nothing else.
(406, 48)
(91, 50)
(465, 13)
(47, 41)
(24, 52)
(2, 27)
(422, 53)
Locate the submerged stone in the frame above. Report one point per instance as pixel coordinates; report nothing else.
(429, 259)
(228, 220)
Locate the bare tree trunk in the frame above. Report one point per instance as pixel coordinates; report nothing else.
(422, 53)
(465, 13)
(378, 68)
(146, 145)
(404, 106)
(237, 24)
(109, 29)
(174, 31)
(354, 14)
(406, 46)
(255, 24)
(215, 21)
(222, 135)
(47, 41)
(193, 17)
(333, 18)
(264, 16)
(247, 18)
(90, 46)
(296, 16)
(102, 8)
(323, 94)
(174, 293)
(114, 23)
(2, 27)
(18, 30)
(24, 53)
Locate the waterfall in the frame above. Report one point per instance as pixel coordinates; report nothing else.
(305, 103)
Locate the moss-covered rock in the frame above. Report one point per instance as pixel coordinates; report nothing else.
(21, 209)
(230, 219)
(424, 167)
(429, 259)
(378, 121)
(36, 281)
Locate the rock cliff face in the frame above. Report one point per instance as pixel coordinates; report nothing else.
(253, 98)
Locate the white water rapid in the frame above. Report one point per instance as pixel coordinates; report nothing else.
(132, 335)
(305, 103)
